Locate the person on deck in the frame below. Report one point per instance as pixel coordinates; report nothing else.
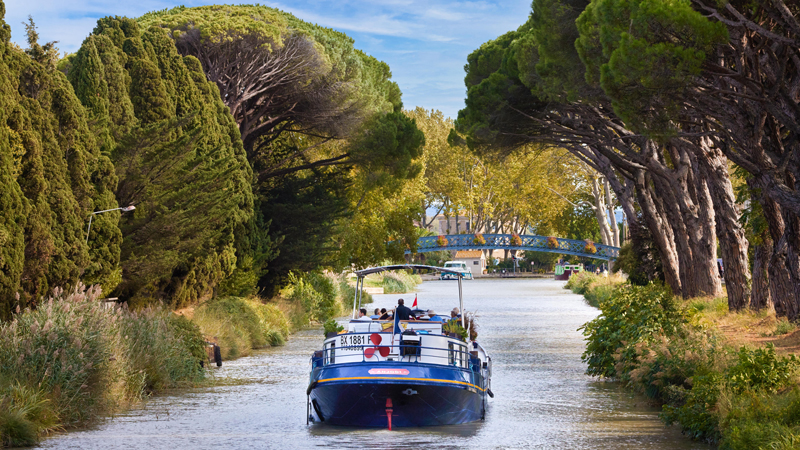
(384, 315)
(362, 315)
(403, 312)
(433, 317)
(455, 314)
(376, 314)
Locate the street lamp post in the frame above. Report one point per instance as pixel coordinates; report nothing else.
(124, 209)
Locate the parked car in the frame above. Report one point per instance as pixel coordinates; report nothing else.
(459, 266)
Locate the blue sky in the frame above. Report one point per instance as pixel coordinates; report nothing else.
(425, 42)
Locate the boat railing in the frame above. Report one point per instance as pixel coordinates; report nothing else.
(455, 357)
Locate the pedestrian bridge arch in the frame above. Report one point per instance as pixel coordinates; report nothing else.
(525, 242)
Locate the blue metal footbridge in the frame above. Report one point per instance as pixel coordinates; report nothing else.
(512, 242)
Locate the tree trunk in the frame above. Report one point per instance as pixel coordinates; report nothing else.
(733, 243)
(662, 234)
(759, 294)
(781, 287)
(599, 212)
(612, 217)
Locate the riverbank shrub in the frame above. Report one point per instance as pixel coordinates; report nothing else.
(348, 293)
(632, 315)
(738, 397)
(594, 288)
(239, 325)
(72, 359)
(399, 282)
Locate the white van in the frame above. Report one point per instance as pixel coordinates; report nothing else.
(459, 266)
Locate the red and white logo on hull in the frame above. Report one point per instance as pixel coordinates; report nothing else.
(388, 371)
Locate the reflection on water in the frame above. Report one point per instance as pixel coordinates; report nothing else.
(542, 400)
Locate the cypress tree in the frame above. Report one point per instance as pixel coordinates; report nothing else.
(179, 159)
(51, 179)
(13, 205)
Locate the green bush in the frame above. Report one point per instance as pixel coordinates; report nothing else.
(761, 370)
(348, 293)
(301, 293)
(598, 295)
(761, 420)
(633, 314)
(329, 304)
(579, 282)
(25, 414)
(189, 333)
(240, 325)
(399, 282)
(156, 356)
(694, 409)
(331, 326)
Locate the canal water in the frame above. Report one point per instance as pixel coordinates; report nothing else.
(543, 399)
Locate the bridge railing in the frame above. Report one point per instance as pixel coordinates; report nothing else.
(525, 242)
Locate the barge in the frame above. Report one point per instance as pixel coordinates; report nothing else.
(402, 373)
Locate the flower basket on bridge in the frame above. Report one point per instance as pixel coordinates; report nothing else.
(589, 247)
(516, 240)
(552, 242)
(441, 241)
(479, 239)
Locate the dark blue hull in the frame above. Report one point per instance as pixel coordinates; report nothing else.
(426, 395)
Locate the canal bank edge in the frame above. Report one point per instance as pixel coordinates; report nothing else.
(73, 360)
(726, 378)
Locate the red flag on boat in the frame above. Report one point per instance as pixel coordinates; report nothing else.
(415, 301)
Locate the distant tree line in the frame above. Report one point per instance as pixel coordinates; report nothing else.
(689, 109)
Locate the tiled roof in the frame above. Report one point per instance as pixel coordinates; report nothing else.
(469, 254)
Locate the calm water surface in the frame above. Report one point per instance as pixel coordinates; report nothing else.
(543, 399)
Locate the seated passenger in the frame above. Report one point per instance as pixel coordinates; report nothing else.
(384, 315)
(362, 315)
(455, 314)
(433, 317)
(376, 314)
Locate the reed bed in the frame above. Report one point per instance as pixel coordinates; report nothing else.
(72, 359)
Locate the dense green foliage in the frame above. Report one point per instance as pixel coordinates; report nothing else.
(239, 325)
(320, 137)
(632, 315)
(179, 159)
(735, 397)
(52, 175)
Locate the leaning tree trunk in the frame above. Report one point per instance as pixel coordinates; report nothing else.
(782, 287)
(759, 294)
(600, 212)
(611, 216)
(667, 203)
(733, 242)
(661, 232)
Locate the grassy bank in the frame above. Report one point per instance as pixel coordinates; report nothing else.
(398, 282)
(723, 377)
(239, 325)
(71, 360)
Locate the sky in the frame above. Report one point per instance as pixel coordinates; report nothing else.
(425, 42)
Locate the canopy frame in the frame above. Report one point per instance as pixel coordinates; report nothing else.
(361, 274)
